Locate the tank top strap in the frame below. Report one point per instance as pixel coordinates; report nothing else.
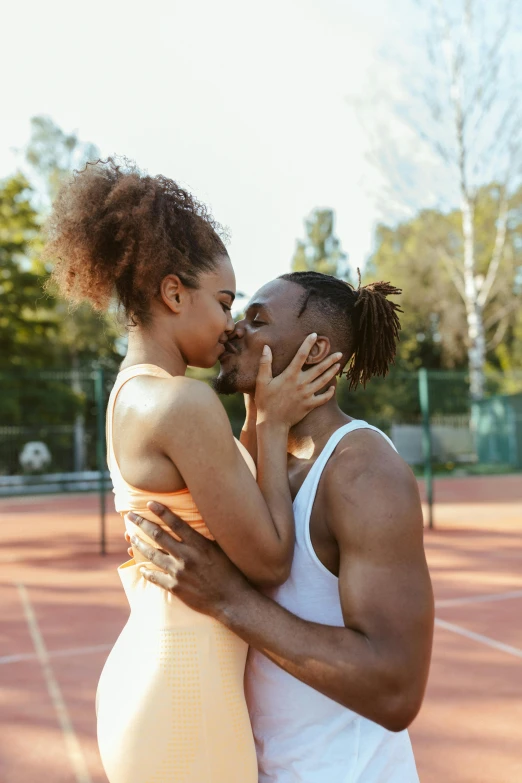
(121, 379)
(139, 369)
(306, 495)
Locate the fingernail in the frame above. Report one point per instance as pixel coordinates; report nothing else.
(338, 355)
(314, 334)
(134, 517)
(266, 350)
(135, 539)
(155, 507)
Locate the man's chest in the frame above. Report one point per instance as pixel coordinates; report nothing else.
(324, 544)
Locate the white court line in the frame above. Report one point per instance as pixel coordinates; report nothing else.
(478, 599)
(74, 750)
(478, 637)
(17, 658)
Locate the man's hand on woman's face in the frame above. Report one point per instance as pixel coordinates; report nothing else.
(192, 568)
(290, 396)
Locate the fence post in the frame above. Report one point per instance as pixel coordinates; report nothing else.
(99, 387)
(424, 398)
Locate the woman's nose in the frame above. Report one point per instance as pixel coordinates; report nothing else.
(230, 327)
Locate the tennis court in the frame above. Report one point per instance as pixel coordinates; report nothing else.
(63, 608)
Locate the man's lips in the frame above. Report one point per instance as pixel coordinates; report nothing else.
(229, 349)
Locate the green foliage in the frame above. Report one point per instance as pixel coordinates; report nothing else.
(27, 325)
(27, 399)
(418, 256)
(383, 401)
(321, 250)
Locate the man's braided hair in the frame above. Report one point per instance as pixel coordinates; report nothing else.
(364, 320)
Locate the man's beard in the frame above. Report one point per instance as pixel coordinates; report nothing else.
(226, 383)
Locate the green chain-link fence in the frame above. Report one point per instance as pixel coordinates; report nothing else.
(52, 425)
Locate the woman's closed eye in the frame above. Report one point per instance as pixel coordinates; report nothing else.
(226, 307)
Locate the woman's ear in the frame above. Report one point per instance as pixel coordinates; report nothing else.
(319, 351)
(172, 293)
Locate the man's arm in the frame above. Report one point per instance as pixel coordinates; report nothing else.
(378, 664)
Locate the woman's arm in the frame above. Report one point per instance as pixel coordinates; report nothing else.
(277, 402)
(256, 532)
(248, 436)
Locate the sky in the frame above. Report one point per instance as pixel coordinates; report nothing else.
(249, 105)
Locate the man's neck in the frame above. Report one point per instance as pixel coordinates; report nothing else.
(309, 436)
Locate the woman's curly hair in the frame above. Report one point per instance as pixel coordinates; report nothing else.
(115, 232)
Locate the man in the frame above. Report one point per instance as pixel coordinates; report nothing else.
(340, 653)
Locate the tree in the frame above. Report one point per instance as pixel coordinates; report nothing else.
(434, 321)
(321, 250)
(468, 113)
(28, 326)
(26, 320)
(53, 155)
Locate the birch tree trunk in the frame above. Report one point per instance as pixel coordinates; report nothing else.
(474, 311)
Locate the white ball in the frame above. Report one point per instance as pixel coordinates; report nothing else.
(35, 456)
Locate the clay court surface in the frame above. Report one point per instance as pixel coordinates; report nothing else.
(63, 607)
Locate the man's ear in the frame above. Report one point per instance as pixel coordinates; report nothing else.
(319, 351)
(173, 293)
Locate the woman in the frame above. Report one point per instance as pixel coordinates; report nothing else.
(144, 241)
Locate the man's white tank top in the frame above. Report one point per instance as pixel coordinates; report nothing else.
(302, 736)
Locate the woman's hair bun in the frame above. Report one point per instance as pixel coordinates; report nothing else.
(115, 232)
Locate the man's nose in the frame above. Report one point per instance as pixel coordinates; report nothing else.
(239, 330)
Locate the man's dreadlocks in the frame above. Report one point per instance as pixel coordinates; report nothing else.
(365, 322)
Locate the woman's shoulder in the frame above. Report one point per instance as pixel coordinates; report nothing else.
(183, 399)
(192, 411)
(190, 391)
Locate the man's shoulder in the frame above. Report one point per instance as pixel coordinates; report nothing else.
(366, 472)
(364, 451)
